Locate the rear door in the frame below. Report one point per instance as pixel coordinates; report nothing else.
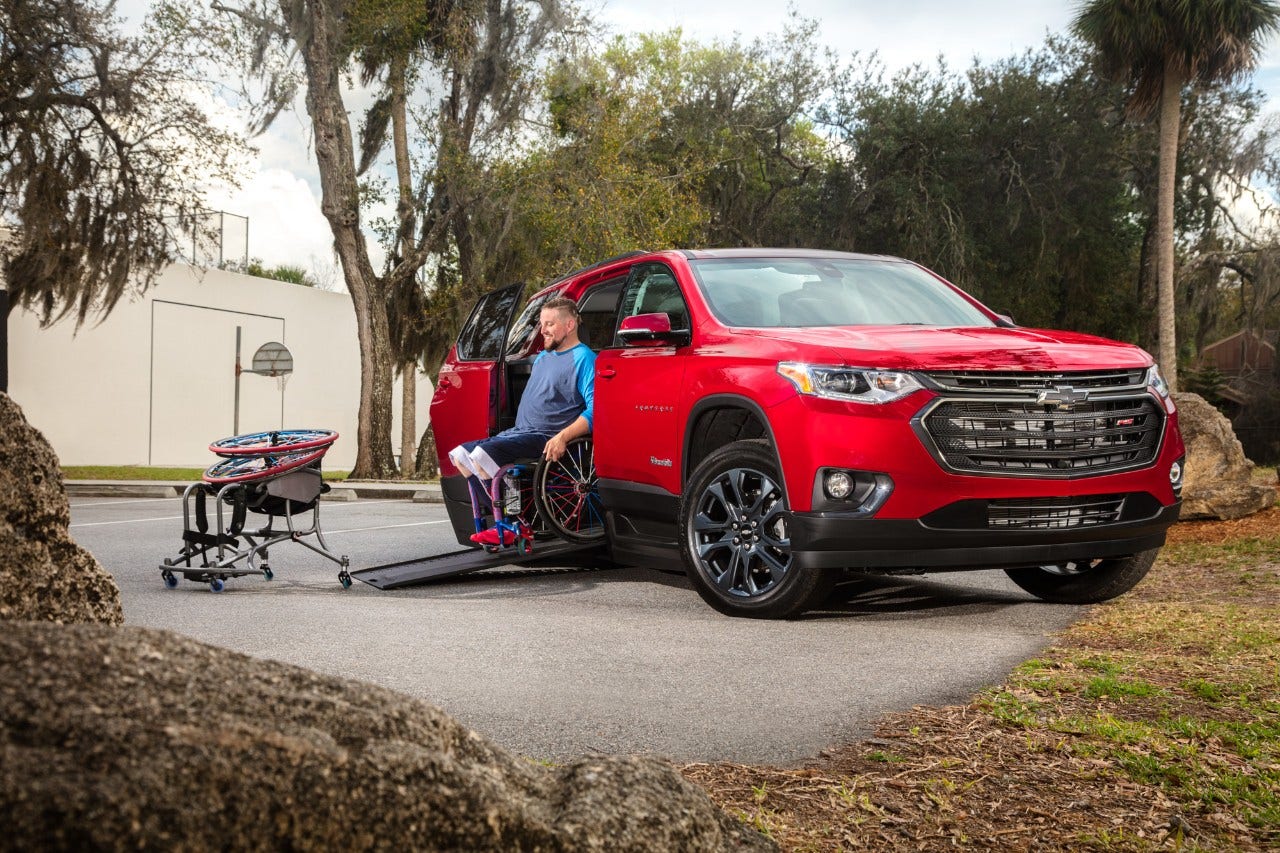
(465, 406)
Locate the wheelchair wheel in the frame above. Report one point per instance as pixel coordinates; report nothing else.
(276, 441)
(568, 495)
(246, 469)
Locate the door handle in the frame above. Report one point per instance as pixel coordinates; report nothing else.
(608, 373)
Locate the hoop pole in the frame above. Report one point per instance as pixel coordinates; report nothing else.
(235, 420)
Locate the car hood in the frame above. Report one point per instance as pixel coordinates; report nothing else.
(934, 348)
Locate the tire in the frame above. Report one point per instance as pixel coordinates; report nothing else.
(1085, 581)
(567, 494)
(744, 570)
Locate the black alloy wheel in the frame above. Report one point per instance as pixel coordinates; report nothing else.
(736, 542)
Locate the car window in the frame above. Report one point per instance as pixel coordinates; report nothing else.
(599, 312)
(481, 339)
(652, 289)
(771, 292)
(526, 325)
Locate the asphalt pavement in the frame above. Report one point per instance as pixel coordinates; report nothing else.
(558, 663)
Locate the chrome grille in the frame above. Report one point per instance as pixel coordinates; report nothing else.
(1054, 513)
(1095, 380)
(1029, 438)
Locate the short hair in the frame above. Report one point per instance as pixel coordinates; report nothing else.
(563, 303)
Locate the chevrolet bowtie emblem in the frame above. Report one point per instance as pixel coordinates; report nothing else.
(1063, 398)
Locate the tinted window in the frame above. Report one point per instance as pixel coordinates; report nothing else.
(526, 324)
(482, 337)
(770, 292)
(652, 289)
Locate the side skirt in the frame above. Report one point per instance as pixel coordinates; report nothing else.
(642, 524)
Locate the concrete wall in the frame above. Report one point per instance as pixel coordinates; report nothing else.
(154, 383)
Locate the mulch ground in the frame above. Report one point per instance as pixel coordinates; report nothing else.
(1047, 762)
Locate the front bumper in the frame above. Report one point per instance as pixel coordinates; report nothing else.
(828, 540)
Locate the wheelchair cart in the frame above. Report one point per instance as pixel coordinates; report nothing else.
(276, 474)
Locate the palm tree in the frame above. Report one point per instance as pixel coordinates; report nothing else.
(1159, 46)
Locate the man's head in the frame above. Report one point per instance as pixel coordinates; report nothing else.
(559, 324)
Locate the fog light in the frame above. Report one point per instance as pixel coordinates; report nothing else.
(838, 485)
(1175, 473)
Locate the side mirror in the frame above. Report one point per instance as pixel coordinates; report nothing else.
(1005, 321)
(651, 330)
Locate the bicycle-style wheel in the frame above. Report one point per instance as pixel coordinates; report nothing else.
(247, 469)
(568, 494)
(274, 441)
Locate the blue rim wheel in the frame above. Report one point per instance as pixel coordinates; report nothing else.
(217, 585)
(282, 440)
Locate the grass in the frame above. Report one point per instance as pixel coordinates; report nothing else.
(1151, 724)
(149, 472)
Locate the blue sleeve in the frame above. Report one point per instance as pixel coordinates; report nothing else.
(585, 363)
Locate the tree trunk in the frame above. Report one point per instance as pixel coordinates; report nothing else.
(408, 418)
(1170, 117)
(404, 211)
(339, 202)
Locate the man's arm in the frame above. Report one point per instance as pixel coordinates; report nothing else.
(555, 446)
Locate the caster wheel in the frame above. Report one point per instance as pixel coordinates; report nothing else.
(526, 547)
(217, 585)
(170, 579)
(345, 580)
(492, 549)
(267, 573)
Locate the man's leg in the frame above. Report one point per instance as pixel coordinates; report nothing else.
(487, 457)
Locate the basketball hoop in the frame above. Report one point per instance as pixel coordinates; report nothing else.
(272, 359)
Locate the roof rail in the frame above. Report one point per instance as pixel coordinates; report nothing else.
(596, 265)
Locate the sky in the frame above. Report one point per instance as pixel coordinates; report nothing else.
(281, 194)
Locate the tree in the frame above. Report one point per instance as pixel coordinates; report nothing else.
(388, 38)
(103, 151)
(1160, 46)
(498, 37)
(1009, 179)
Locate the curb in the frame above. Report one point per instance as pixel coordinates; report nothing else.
(85, 489)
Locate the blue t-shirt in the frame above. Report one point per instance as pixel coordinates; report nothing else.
(561, 387)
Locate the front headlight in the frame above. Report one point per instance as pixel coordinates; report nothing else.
(1156, 382)
(848, 383)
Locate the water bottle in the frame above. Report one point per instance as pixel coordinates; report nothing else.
(511, 494)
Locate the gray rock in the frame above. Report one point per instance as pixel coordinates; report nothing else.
(44, 574)
(129, 738)
(1218, 481)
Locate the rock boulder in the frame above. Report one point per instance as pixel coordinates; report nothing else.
(129, 738)
(1218, 481)
(44, 575)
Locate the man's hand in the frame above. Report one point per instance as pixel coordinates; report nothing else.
(554, 448)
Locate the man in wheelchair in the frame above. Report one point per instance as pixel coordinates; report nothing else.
(556, 408)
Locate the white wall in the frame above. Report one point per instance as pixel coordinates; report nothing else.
(154, 383)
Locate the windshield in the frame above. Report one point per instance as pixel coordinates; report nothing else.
(771, 292)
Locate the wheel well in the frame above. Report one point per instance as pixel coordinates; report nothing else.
(714, 428)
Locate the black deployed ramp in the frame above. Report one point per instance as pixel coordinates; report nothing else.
(427, 569)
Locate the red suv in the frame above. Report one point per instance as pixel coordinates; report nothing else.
(774, 419)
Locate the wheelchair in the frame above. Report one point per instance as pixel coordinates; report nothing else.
(532, 499)
(276, 474)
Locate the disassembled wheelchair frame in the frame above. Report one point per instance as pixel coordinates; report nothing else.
(276, 474)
